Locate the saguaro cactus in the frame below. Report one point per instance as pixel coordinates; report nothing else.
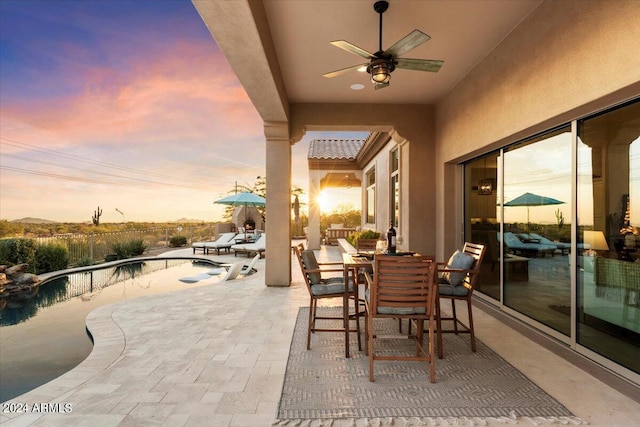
(96, 216)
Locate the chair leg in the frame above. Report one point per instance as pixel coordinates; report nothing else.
(439, 326)
(473, 335)
(312, 316)
(432, 353)
(357, 317)
(455, 317)
(419, 336)
(345, 322)
(370, 345)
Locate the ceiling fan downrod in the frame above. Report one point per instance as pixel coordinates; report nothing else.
(380, 7)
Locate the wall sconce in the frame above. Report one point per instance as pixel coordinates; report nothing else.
(485, 187)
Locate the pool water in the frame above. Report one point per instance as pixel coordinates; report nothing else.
(45, 336)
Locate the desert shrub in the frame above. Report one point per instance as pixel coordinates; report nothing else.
(51, 257)
(178, 241)
(19, 251)
(127, 249)
(363, 234)
(83, 262)
(137, 247)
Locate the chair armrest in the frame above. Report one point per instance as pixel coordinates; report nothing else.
(367, 278)
(455, 270)
(324, 270)
(331, 263)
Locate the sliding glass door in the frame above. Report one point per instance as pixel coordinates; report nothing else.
(537, 230)
(560, 216)
(608, 276)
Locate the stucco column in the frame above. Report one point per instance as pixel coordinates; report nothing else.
(278, 224)
(314, 209)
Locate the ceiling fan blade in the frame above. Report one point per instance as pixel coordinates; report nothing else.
(381, 85)
(432, 65)
(342, 71)
(412, 40)
(342, 44)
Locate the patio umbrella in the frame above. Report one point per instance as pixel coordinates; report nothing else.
(243, 199)
(530, 199)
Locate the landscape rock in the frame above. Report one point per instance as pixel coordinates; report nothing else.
(14, 282)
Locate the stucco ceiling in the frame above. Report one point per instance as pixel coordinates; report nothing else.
(462, 33)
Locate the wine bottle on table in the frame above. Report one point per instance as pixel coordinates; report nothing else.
(391, 240)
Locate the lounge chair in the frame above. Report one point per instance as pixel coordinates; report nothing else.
(246, 267)
(258, 247)
(231, 273)
(224, 241)
(531, 248)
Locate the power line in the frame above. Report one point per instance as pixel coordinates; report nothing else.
(91, 171)
(30, 147)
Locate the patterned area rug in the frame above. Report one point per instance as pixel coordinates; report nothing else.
(322, 386)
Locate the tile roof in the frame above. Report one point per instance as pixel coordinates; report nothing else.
(335, 149)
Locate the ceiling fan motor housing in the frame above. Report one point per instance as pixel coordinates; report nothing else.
(380, 70)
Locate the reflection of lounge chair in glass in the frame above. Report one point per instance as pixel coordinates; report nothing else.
(565, 248)
(517, 246)
(224, 241)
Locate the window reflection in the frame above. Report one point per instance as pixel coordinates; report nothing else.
(537, 229)
(608, 276)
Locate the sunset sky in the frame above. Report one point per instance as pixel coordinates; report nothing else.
(125, 105)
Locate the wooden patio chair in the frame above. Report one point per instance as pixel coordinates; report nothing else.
(402, 288)
(456, 280)
(320, 287)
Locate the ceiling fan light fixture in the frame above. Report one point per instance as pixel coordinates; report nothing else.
(380, 71)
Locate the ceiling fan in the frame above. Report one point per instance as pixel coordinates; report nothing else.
(382, 63)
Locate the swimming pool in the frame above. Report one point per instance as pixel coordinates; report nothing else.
(43, 337)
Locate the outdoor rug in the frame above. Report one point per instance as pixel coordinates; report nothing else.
(322, 387)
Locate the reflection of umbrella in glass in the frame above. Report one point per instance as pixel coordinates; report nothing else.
(530, 199)
(243, 199)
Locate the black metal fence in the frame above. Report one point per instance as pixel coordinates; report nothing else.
(96, 246)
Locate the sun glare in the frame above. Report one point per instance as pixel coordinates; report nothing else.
(323, 201)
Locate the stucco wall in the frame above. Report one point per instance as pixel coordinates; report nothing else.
(567, 59)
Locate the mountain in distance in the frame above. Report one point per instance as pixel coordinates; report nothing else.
(189, 220)
(30, 220)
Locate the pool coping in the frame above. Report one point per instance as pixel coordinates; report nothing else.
(109, 343)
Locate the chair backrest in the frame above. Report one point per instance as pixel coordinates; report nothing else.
(366, 244)
(233, 271)
(246, 269)
(261, 242)
(477, 251)
(401, 282)
(303, 265)
(226, 237)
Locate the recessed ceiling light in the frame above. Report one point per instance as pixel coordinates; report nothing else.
(357, 86)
